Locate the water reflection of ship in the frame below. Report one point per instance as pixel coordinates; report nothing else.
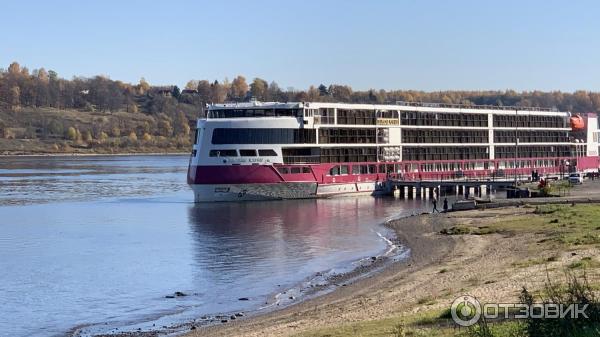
(236, 236)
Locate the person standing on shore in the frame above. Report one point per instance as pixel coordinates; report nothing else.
(445, 206)
(434, 201)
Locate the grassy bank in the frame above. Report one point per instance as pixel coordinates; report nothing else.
(30, 131)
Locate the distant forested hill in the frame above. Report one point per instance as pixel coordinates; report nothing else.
(40, 112)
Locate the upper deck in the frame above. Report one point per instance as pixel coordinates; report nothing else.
(401, 114)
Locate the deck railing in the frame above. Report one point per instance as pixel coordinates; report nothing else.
(473, 106)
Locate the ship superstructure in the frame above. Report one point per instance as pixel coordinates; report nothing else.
(256, 150)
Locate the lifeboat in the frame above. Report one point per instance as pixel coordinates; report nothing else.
(577, 123)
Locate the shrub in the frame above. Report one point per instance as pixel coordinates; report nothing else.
(103, 136)
(55, 128)
(88, 136)
(72, 133)
(576, 291)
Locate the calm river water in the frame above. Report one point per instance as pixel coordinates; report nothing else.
(102, 241)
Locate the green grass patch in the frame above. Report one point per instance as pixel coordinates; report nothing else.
(426, 301)
(528, 263)
(563, 224)
(464, 230)
(456, 230)
(584, 263)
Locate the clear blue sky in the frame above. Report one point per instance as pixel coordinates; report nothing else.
(426, 45)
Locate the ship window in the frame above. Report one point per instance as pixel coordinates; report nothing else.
(283, 170)
(295, 170)
(245, 113)
(306, 170)
(263, 136)
(344, 169)
(248, 153)
(372, 169)
(355, 169)
(223, 153)
(267, 153)
(334, 171)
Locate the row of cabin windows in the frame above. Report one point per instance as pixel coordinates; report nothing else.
(532, 151)
(348, 155)
(508, 136)
(444, 136)
(363, 117)
(263, 136)
(356, 169)
(294, 170)
(509, 164)
(243, 153)
(529, 121)
(443, 119)
(369, 117)
(347, 136)
(316, 155)
(325, 116)
(246, 113)
(329, 112)
(440, 167)
(359, 117)
(444, 153)
(308, 155)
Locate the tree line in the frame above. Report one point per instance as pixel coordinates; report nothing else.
(20, 87)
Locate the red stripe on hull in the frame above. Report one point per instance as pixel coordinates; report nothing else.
(267, 174)
(234, 174)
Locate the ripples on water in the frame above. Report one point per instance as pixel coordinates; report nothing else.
(87, 240)
(28, 180)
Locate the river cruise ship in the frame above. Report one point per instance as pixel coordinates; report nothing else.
(270, 150)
